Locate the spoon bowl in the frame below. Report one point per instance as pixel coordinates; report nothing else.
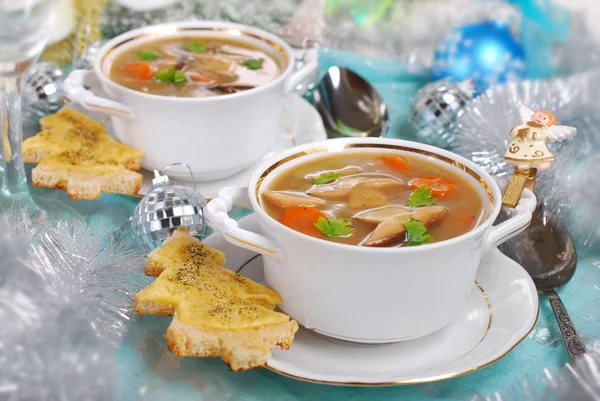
(546, 250)
(349, 105)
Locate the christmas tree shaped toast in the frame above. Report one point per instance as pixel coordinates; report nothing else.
(75, 153)
(216, 312)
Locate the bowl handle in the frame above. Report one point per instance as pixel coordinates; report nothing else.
(216, 217)
(74, 88)
(516, 224)
(297, 77)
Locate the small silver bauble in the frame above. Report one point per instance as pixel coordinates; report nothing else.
(42, 88)
(435, 109)
(168, 207)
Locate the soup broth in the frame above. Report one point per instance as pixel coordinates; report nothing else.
(368, 199)
(193, 67)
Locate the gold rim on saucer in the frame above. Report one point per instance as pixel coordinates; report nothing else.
(412, 381)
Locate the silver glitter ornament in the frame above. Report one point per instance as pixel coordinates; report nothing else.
(168, 207)
(42, 89)
(435, 108)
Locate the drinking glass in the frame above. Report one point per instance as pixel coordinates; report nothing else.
(23, 35)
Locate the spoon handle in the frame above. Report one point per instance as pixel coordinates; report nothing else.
(567, 329)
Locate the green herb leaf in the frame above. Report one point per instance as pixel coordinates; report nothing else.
(416, 232)
(327, 177)
(148, 55)
(196, 47)
(254, 63)
(421, 197)
(334, 227)
(179, 77)
(165, 75)
(170, 75)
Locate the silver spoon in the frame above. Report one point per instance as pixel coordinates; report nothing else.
(547, 252)
(349, 105)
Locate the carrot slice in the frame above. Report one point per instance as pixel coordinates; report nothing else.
(439, 186)
(302, 219)
(199, 78)
(395, 163)
(139, 71)
(465, 220)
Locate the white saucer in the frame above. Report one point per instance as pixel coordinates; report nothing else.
(300, 124)
(501, 311)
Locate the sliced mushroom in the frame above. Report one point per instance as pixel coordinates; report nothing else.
(176, 51)
(430, 215)
(361, 197)
(383, 183)
(378, 215)
(292, 199)
(232, 51)
(343, 172)
(388, 233)
(338, 188)
(228, 89)
(392, 230)
(342, 186)
(180, 64)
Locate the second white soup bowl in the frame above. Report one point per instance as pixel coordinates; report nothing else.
(362, 294)
(216, 136)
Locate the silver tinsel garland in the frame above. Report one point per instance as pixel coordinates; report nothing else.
(577, 381)
(270, 15)
(580, 380)
(482, 131)
(408, 30)
(482, 135)
(577, 194)
(411, 30)
(65, 295)
(91, 271)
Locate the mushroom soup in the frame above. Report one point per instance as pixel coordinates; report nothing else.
(194, 67)
(375, 199)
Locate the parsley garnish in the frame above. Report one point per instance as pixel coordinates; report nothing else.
(196, 47)
(171, 75)
(179, 77)
(147, 55)
(334, 227)
(416, 232)
(165, 76)
(327, 177)
(421, 197)
(254, 63)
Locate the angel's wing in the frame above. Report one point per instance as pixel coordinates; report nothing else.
(525, 112)
(558, 133)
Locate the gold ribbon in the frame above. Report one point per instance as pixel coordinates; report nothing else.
(87, 31)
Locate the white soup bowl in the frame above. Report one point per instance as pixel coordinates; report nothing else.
(216, 136)
(363, 294)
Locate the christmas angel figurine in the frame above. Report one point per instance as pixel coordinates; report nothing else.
(528, 148)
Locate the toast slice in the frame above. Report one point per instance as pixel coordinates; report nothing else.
(83, 178)
(216, 312)
(75, 153)
(240, 349)
(173, 252)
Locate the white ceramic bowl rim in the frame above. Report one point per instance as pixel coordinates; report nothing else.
(166, 29)
(485, 225)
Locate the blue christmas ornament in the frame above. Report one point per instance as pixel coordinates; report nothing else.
(486, 52)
